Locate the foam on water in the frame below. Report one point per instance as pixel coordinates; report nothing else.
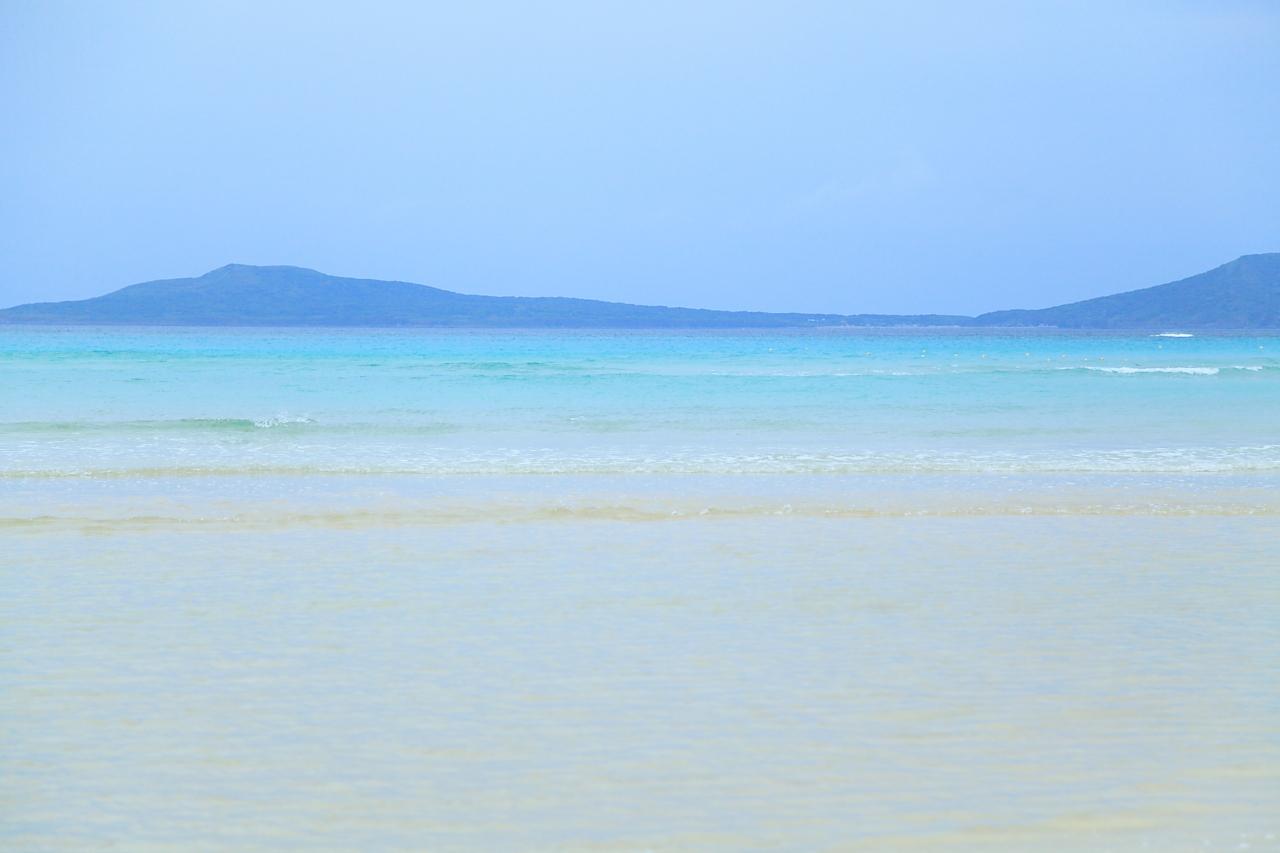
(1192, 371)
(319, 459)
(281, 420)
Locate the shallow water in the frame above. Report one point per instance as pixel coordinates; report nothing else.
(375, 590)
(300, 401)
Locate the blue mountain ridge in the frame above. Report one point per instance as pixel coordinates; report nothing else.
(1242, 294)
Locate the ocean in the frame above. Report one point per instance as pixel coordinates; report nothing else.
(477, 590)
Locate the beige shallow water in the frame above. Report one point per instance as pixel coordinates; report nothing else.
(388, 665)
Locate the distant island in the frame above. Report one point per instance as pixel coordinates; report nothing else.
(1243, 294)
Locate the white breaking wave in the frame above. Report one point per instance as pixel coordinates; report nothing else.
(337, 459)
(281, 420)
(1195, 371)
(1192, 371)
(1174, 335)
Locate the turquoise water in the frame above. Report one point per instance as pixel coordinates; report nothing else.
(279, 589)
(93, 402)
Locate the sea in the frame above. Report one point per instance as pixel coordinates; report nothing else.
(824, 589)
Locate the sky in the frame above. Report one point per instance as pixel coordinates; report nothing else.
(809, 156)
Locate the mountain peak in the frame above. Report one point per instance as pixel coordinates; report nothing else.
(258, 268)
(1240, 294)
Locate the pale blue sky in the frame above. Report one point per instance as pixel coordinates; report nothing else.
(895, 157)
